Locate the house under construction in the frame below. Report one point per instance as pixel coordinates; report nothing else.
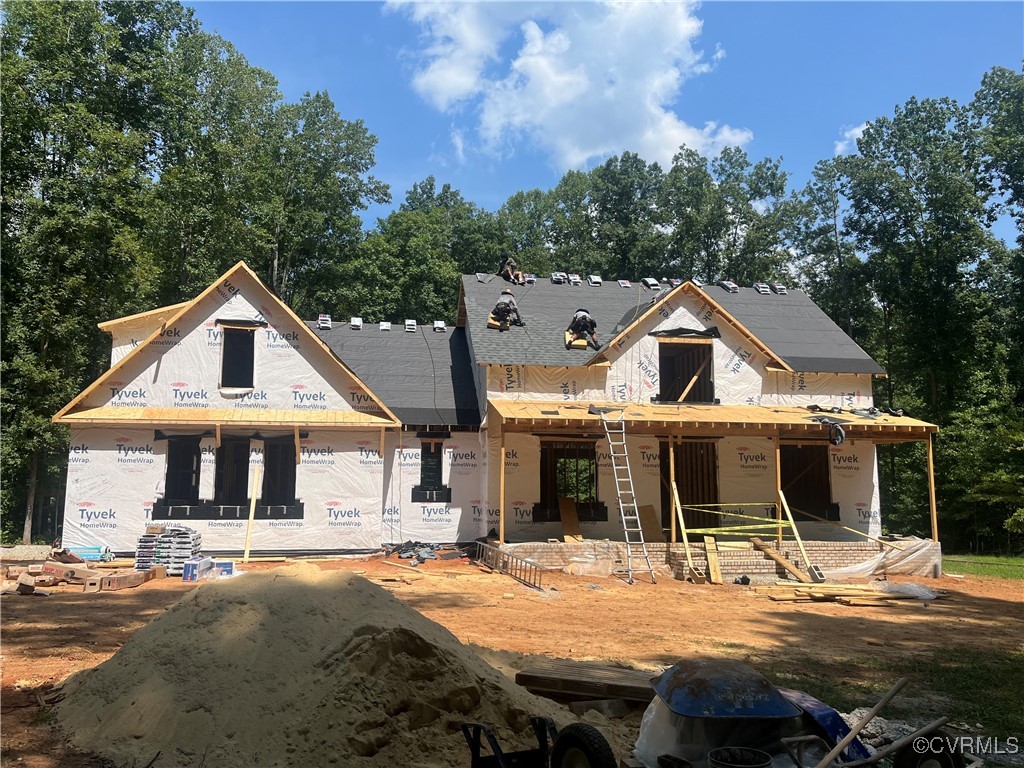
(707, 410)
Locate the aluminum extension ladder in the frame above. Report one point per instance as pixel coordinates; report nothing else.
(636, 547)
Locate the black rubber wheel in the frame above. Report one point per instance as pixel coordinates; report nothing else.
(582, 746)
(941, 752)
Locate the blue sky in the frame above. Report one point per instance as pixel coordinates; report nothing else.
(498, 97)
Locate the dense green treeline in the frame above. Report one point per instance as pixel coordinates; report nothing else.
(142, 156)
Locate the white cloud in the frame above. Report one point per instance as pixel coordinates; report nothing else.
(849, 140)
(580, 80)
(458, 144)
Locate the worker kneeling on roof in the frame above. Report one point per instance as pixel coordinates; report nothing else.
(582, 326)
(507, 311)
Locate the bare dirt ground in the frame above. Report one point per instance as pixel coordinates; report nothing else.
(832, 650)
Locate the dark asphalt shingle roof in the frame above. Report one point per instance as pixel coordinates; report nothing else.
(796, 329)
(547, 310)
(425, 378)
(791, 325)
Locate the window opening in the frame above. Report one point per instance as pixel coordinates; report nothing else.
(183, 461)
(238, 358)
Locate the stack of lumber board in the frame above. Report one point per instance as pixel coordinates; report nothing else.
(845, 594)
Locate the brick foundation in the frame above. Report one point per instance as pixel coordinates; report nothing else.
(734, 559)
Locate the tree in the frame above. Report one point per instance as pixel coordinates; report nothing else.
(80, 96)
(624, 195)
(829, 268)
(919, 195)
(572, 230)
(698, 216)
(758, 214)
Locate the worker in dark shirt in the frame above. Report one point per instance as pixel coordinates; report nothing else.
(582, 326)
(510, 271)
(506, 311)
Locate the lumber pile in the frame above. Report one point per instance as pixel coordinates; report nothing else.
(29, 580)
(865, 595)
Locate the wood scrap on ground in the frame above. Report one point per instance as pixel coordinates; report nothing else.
(863, 595)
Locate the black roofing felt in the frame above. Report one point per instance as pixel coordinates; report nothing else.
(425, 378)
(547, 310)
(791, 325)
(796, 329)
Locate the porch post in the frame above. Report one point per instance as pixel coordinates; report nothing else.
(672, 481)
(501, 486)
(778, 490)
(931, 490)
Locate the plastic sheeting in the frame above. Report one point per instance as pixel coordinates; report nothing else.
(918, 557)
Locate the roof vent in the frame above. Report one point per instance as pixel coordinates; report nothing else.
(559, 278)
(651, 284)
(729, 286)
(357, 323)
(575, 279)
(323, 323)
(675, 281)
(762, 288)
(625, 284)
(779, 288)
(439, 326)
(530, 278)
(593, 280)
(410, 326)
(385, 325)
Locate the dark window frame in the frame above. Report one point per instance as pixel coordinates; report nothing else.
(279, 472)
(806, 477)
(231, 482)
(677, 363)
(238, 358)
(561, 462)
(181, 478)
(432, 488)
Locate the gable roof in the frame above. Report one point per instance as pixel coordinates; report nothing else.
(790, 329)
(240, 269)
(547, 310)
(426, 377)
(796, 330)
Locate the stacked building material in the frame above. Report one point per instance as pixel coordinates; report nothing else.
(877, 594)
(169, 547)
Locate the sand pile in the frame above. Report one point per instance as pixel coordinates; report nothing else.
(293, 667)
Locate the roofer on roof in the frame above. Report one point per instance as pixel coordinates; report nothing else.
(509, 270)
(507, 311)
(582, 326)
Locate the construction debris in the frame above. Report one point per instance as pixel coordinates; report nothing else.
(880, 593)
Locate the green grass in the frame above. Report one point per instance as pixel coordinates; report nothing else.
(984, 565)
(964, 683)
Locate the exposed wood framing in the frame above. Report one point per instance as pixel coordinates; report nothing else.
(501, 487)
(932, 508)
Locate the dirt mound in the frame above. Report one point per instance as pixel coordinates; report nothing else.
(293, 667)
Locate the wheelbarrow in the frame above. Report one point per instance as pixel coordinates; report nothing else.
(578, 745)
(706, 706)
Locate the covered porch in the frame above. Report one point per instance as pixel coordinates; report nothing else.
(788, 441)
